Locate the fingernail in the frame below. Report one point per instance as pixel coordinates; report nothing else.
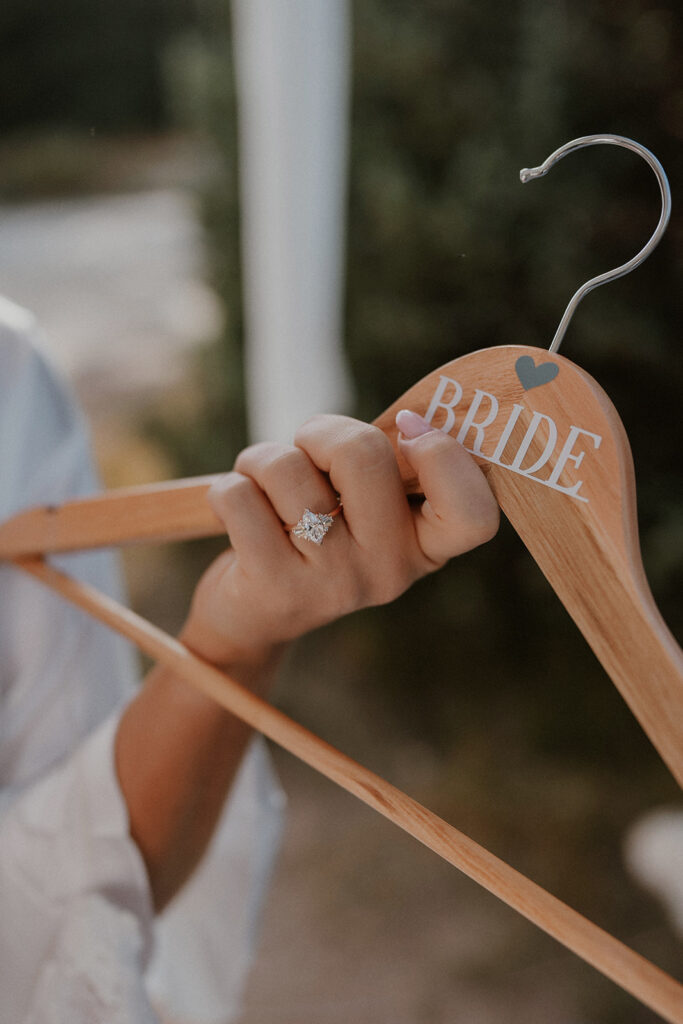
(411, 425)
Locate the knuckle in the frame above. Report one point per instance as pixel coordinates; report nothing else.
(272, 465)
(366, 447)
(290, 464)
(227, 493)
(257, 454)
(229, 488)
(313, 426)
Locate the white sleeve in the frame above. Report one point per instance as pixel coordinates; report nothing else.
(78, 927)
(76, 923)
(76, 911)
(61, 673)
(64, 842)
(206, 937)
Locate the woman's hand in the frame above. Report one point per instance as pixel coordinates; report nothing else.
(270, 586)
(177, 751)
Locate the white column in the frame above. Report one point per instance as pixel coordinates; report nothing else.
(292, 66)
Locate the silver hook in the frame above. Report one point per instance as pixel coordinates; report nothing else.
(528, 174)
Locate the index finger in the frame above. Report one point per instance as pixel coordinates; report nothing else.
(459, 511)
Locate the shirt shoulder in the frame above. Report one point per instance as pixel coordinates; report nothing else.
(40, 423)
(15, 320)
(23, 360)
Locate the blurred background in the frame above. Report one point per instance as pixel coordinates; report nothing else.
(227, 216)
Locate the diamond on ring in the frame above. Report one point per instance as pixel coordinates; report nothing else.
(313, 526)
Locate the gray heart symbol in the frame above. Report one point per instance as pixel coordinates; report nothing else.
(531, 376)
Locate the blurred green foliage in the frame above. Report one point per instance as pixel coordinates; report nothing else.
(86, 64)
(447, 253)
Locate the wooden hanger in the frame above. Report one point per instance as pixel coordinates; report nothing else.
(557, 458)
(558, 461)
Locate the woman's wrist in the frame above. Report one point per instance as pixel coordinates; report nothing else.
(254, 668)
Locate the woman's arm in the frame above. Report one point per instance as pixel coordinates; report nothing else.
(177, 754)
(176, 751)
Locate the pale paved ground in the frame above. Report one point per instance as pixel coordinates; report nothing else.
(364, 925)
(116, 283)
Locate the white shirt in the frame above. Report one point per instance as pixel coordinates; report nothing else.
(78, 939)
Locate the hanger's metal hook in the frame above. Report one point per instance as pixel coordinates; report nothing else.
(528, 174)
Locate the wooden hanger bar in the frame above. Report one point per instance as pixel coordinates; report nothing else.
(558, 461)
(168, 511)
(642, 979)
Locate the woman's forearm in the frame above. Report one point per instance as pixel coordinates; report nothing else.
(177, 754)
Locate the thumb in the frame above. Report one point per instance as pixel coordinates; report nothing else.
(459, 511)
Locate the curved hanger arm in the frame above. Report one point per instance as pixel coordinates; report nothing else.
(557, 458)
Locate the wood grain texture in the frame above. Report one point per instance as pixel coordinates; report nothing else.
(168, 511)
(642, 979)
(587, 549)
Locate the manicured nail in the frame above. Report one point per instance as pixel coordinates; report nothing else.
(411, 425)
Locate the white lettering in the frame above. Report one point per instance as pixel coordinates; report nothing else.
(436, 403)
(577, 459)
(468, 423)
(505, 436)
(536, 421)
(448, 395)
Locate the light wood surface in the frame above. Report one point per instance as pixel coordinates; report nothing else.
(642, 979)
(588, 549)
(170, 510)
